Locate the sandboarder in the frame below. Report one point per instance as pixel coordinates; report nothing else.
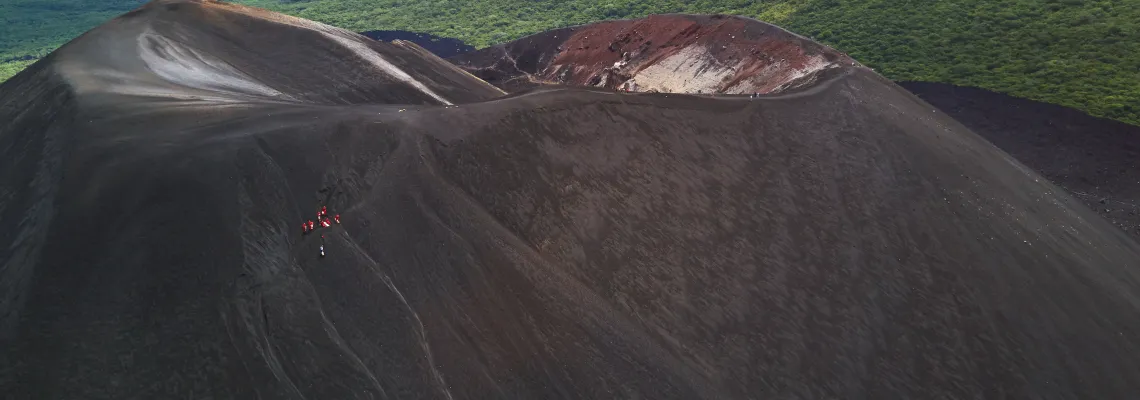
(322, 221)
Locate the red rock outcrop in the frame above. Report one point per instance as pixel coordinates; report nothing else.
(663, 53)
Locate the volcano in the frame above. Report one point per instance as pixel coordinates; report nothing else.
(835, 238)
(1092, 158)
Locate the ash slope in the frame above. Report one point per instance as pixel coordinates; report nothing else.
(440, 46)
(1095, 159)
(190, 50)
(671, 53)
(840, 242)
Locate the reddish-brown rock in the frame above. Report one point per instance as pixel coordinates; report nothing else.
(661, 53)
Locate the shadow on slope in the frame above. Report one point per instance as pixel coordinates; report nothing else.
(440, 46)
(1095, 159)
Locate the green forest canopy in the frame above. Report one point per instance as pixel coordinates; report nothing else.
(1083, 54)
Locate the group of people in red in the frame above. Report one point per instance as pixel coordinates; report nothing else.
(322, 218)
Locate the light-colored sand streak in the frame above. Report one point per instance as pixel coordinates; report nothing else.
(348, 39)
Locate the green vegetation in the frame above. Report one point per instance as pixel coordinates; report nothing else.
(36, 27)
(1083, 54)
(1078, 53)
(9, 69)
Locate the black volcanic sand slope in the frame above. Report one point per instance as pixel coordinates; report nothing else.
(840, 242)
(503, 64)
(223, 52)
(1095, 159)
(440, 46)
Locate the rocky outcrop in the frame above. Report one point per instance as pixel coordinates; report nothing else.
(672, 53)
